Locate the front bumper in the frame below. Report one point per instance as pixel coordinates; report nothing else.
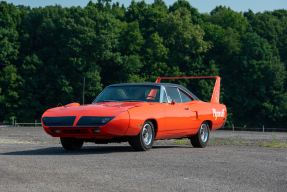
(116, 127)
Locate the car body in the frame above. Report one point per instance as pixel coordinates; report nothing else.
(138, 113)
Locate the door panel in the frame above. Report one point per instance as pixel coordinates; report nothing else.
(178, 116)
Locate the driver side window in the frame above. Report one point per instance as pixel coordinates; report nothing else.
(172, 94)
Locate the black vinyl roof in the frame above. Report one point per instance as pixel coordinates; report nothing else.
(157, 84)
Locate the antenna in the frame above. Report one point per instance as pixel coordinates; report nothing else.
(84, 91)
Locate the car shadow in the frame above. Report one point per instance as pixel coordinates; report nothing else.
(171, 146)
(84, 151)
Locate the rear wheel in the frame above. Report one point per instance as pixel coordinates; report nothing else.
(71, 144)
(200, 140)
(144, 140)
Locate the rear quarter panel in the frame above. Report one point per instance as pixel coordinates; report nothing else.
(214, 113)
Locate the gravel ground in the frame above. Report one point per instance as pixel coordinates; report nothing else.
(31, 160)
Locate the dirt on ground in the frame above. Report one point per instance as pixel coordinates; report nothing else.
(31, 160)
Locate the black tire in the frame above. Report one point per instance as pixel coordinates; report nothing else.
(71, 144)
(144, 140)
(200, 140)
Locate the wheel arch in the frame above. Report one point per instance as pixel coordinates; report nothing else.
(155, 126)
(209, 122)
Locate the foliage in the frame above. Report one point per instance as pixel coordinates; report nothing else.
(9, 21)
(10, 82)
(46, 52)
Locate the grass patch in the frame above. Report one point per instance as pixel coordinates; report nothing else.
(183, 141)
(276, 145)
(238, 141)
(272, 142)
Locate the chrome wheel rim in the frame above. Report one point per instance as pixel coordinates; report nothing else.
(204, 132)
(147, 134)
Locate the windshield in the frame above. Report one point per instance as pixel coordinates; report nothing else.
(130, 94)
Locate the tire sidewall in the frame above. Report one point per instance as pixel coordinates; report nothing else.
(71, 144)
(147, 147)
(202, 143)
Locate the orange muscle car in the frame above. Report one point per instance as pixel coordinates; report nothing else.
(138, 113)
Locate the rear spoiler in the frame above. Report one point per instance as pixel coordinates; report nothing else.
(216, 91)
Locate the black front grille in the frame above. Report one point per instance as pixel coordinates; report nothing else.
(96, 121)
(59, 121)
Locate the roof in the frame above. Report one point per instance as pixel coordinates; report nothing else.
(157, 84)
(148, 84)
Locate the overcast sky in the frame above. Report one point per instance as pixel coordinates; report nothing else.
(203, 6)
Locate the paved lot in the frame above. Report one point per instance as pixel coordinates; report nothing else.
(31, 160)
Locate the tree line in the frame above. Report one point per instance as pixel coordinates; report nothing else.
(46, 52)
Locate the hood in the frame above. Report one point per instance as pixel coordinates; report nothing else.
(96, 109)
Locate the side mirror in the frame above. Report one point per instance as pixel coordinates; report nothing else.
(173, 102)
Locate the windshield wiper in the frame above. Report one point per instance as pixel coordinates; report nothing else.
(108, 101)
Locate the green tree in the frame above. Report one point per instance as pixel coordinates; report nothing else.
(10, 82)
(272, 26)
(131, 40)
(118, 12)
(9, 21)
(101, 5)
(227, 18)
(196, 17)
(29, 102)
(155, 58)
(268, 27)
(255, 84)
(60, 48)
(148, 16)
(183, 39)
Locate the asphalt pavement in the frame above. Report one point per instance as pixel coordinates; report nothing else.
(31, 160)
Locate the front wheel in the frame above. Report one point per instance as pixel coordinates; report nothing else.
(200, 140)
(71, 144)
(144, 140)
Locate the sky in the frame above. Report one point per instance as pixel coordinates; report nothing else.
(203, 6)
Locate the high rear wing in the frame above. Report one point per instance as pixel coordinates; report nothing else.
(216, 91)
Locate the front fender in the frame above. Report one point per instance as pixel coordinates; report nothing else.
(139, 115)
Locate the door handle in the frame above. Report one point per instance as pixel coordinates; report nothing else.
(186, 109)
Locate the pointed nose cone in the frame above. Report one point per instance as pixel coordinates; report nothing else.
(95, 109)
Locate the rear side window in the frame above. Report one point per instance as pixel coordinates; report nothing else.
(184, 97)
(173, 94)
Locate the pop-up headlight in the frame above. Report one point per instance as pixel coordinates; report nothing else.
(101, 120)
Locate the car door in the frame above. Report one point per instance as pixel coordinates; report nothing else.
(193, 111)
(178, 115)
